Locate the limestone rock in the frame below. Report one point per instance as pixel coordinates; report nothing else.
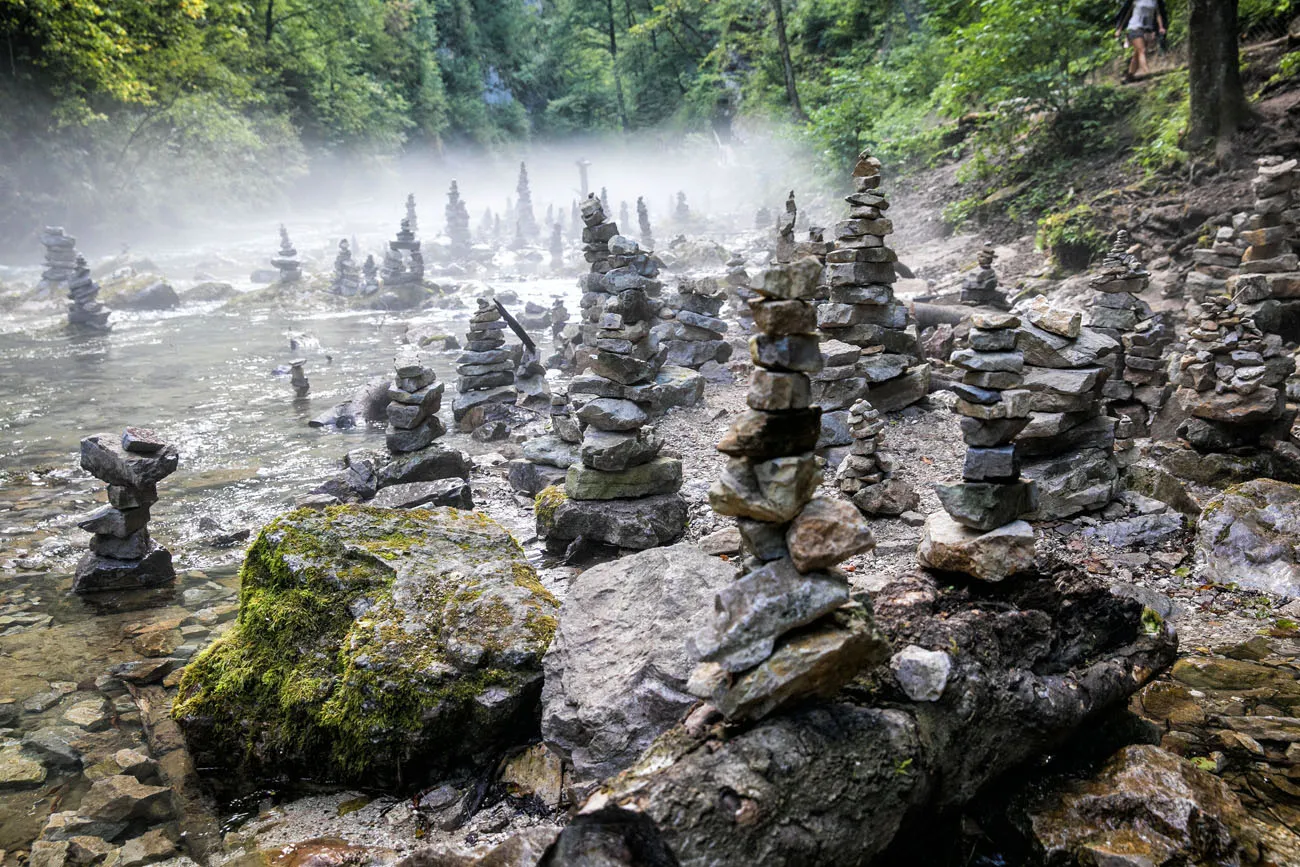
(990, 556)
(825, 533)
(19, 770)
(1248, 535)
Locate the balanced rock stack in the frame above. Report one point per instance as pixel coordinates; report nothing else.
(1213, 266)
(286, 261)
(1270, 271)
(787, 629)
(785, 230)
(980, 531)
(122, 555)
(980, 287)
(643, 224)
(414, 400)
(369, 276)
(535, 317)
(411, 219)
(403, 263)
(862, 310)
(347, 276)
(485, 370)
(1135, 387)
(695, 333)
(457, 225)
(61, 259)
(298, 377)
(866, 475)
(84, 309)
(547, 458)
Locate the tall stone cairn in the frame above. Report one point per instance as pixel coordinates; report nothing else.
(1212, 267)
(60, 259)
(624, 214)
(1136, 387)
(369, 276)
(414, 400)
(980, 286)
(862, 310)
(980, 531)
(286, 261)
(122, 555)
(486, 369)
(298, 377)
(411, 219)
(458, 224)
(695, 334)
(403, 261)
(557, 247)
(524, 218)
(787, 630)
(84, 309)
(643, 224)
(347, 276)
(681, 210)
(785, 230)
(1270, 270)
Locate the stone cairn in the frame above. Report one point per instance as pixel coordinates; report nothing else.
(681, 210)
(286, 261)
(979, 531)
(458, 224)
(624, 214)
(643, 223)
(980, 287)
(1232, 383)
(1213, 266)
(787, 629)
(414, 400)
(84, 309)
(694, 336)
(122, 555)
(862, 310)
(298, 377)
(369, 276)
(411, 219)
(61, 260)
(1270, 269)
(557, 247)
(866, 475)
(547, 458)
(785, 230)
(347, 276)
(1136, 385)
(485, 370)
(403, 262)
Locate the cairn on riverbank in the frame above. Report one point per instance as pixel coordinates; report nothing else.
(347, 276)
(298, 377)
(547, 458)
(643, 224)
(60, 259)
(866, 475)
(786, 630)
(785, 230)
(980, 287)
(1269, 277)
(694, 336)
(84, 309)
(862, 310)
(122, 554)
(458, 225)
(980, 531)
(403, 262)
(485, 370)
(414, 400)
(369, 276)
(286, 261)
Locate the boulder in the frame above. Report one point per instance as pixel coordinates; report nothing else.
(372, 644)
(155, 295)
(991, 556)
(638, 524)
(1247, 535)
(617, 670)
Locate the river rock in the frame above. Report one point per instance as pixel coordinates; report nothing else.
(659, 476)
(104, 458)
(825, 533)
(922, 674)
(617, 669)
(889, 498)
(18, 770)
(444, 492)
(1248, 535)
(991, 556)
(158, 295)
(428, 465)
(432, 647)
(123, 798)
(636, 524)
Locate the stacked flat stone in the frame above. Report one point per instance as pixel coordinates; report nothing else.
(737, 276)
(1269, 278)
(1213, 266)
(1232, 381)
(547, 458)
(559, 317)
(1135, 388)
(866, 474)
(862, 310)
(486, 369)
(694, 334)
(414, 400)
(535, 317)
(286, 261)
(298, 377)
(84, 309)
(347, 276)
(785, 230)
(122, 555)
(980, 287)
(786, 630)
(458, 224)
(411, 219)
(60, 259)
(643, 224)
(403, 262)
(369, 276)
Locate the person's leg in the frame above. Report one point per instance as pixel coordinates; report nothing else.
(1140, 56)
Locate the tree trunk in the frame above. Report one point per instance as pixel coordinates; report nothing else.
(613, 58)
(790, 91)
(270, 21)
(1218, 103)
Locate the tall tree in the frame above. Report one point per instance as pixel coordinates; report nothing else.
(791, 91)
(1218, 102)
(613, 56)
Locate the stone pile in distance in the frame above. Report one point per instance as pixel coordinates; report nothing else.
(60, 259)
(1136, 387)
(786, 630)
(298, 377)
(980, 287)
(286, 261)
(485, 369)
(1269, 276)
(122, 554)
(694, 334)
(412, 219)
(458, 233)
(643, 224)
(866, 475)
(1214, 265)
(369, 276)
(403, 261)
(862, 310)
(980, 531)
(347, 276)
(84, 309)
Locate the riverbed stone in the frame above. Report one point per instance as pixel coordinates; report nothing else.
(444, 492)
(104, 458)
(427, 465)
(636, 524)
(429, 624)
(123, 798)
(95, 573)
(825, 533)
(659, 476)
(990, 556)
(1247, 535)
(19, 770)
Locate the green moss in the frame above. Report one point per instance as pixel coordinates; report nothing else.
(546, 502)
(1072, 237)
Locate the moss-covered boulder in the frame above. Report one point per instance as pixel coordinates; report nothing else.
(372, 645)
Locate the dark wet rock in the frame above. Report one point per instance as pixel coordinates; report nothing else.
(427, 655)
(428, 465)
(103, 456)
(54, 747)
(367, 405)
(158, 295)
(637, 524)
(617, 670)
(123, 798)
(96, 572)
(1248, 535)
(531, 479)
(444, 492)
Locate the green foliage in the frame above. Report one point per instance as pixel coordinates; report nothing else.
(1072, 237)
(1161, 122)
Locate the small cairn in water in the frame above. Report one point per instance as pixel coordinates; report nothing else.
(122, 555)
(347, 276)
(458, 224)
(535, 317)
(61, 259)
(414, 400)
(643, 223)
(485, 370)
(980, 287)
(286, 261)
(980, 532)
(298, 377)
(559, 317)
(403, 263)
(787, 630)
(84, 309)
(866, 475)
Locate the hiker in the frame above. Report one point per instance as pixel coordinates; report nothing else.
(1140, 21)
